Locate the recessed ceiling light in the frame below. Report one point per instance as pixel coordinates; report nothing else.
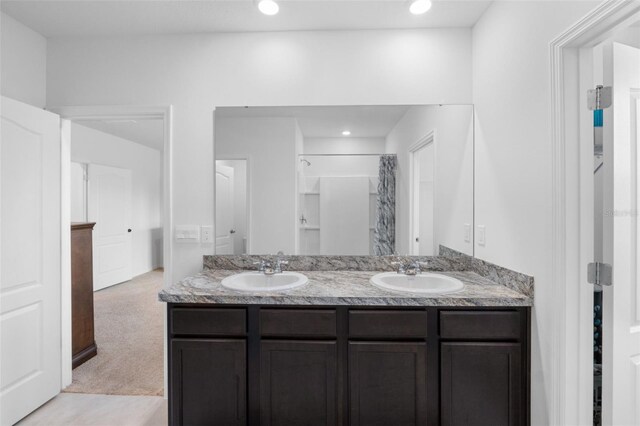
(418, 7)
(346, 133)
(268, 7)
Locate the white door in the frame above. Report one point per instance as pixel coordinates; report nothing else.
(621, 301)
(423, 196)
(224, 209)
(109, 199)
(30, 259)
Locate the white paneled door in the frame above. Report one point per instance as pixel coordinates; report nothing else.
(30, 259)
(621, 301)
(109, 206)
(224, 209)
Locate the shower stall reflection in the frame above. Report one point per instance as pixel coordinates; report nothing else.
(337, 204)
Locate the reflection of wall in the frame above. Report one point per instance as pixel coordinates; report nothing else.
(239, 201)
(344, 145)
(453, 125)
(269, 144)
(93, 147)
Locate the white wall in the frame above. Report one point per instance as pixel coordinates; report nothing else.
(453, 126)
(23, 59)
(269, 145)
(629, 36)
(511, 92)
(78, 195)
(195, 73)
(93, 147)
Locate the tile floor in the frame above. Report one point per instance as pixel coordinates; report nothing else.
(77, 409)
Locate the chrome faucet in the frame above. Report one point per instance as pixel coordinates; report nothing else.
(265, 267)
(408, 267)
(279, 262)
(412, 268)
(270, 268)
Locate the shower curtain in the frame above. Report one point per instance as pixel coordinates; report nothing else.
(384, 238)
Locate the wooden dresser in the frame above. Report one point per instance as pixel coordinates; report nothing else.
(83, 340)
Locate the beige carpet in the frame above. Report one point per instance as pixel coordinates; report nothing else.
(129, 329)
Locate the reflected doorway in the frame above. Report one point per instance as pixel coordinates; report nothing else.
(422, 197)
(231, 207)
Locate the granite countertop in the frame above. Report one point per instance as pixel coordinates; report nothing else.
(331, 288)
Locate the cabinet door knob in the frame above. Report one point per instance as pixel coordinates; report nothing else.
(129, 230)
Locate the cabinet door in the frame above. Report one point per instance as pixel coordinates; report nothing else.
(208, 382)
(387, 384)
(298, 383)
(481, 384)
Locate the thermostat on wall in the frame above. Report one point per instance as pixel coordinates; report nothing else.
(187, 234)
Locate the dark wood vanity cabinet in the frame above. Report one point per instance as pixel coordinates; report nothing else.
(209, 379)
(387, 383)
(298, 383)
(481, 383)
(83, 344)
(348, 366)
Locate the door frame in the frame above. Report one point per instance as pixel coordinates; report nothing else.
(571, 381)
(247, 225)
(79, 114)
(428, 139)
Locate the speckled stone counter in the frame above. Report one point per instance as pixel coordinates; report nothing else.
(332, 288)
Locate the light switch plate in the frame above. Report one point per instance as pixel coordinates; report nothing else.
(187, 234)
(481, 235)
(206, 234)
(467, 232)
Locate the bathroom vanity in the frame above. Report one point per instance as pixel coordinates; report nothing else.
(339, 351)
(354, 335)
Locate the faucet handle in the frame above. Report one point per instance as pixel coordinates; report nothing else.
(400, 264)
(262, 264)
(279, 263)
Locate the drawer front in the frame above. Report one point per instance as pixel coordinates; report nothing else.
(388, 324)
(479, 325)
(298, 323)
(208, 321)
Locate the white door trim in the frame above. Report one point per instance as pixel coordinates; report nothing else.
(114, 112)
(571, 370)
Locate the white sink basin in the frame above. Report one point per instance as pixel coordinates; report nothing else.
(257, 281)
(426, 283)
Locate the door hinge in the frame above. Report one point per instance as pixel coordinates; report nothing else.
(599, 98)
(599, 273)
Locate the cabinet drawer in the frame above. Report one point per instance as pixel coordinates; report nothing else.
(479, 325)
(208, 321)
(388, 324)
(298, 323)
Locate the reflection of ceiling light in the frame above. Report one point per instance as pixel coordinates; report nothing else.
(268, 7)
(346, 133)
(418, 7)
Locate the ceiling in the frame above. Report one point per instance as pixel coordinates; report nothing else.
(53, 18)
(330, 121)
(145, 132)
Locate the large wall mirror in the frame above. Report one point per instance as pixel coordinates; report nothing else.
(344, 180)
